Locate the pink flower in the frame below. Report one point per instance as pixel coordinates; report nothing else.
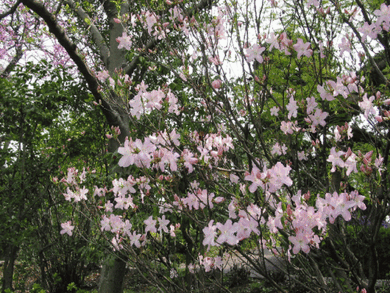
(279, 175)
(358, 200)
(189, 160)
(273, 41)
(367, 106)
(127, 154)
(311, 105)
(301, 242)
(216, 84)
(350, 163)
(105, 224)
(379, 161)
(287, 127)
(209, 235)
(325, 95)
(383, 16)
(279, 150)
(344, 46)
(335, 159)
(134, 239)
(255, 53)
(124, 41)
(341, 206)
(232, 209)
(69, 194)
(150, 225)
(274, 111)
(370, 30)
(215, 60)
(302, 48)
(285, 43)
(227, 233)
(379, 119)
(315, 3)
(302, 156)
(206, 199)
(256, 177)
(103, 75)
(292, 108)
(319, 118)
(234, 178)
(83, 193)
(163, 224)
(67, 228)
(338, 87)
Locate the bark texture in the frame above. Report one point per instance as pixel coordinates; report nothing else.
(112, 275)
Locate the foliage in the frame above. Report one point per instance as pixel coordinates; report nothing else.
(40, 121)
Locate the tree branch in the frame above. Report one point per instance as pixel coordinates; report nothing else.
(12, 10)
(96, 35)
(14, 61)
(372, 61)
(112, 117)
(129, 69)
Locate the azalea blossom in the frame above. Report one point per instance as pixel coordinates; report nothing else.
(150, 225)
(124, 41)
(319, 117)
(256, 177)
(273, 41)
(367, 106)
(274, 111)
(338, 87)
(127, 154)
(302, 48)
(369, 30)
(228, 231)
(325, 95)
(287, 127)
(255, 53)
(311, 105)
(383, 16)
(209, 235)
(163, 224)
(345, 45)
(67, 228)
(279, 175)
(292, 108)
(335, 159)
(103, 75)
(300, 241)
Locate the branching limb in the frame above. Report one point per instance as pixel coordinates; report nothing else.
(129, 69)
(113, 118)
(97, 37)
(12, 10)
(12, 64)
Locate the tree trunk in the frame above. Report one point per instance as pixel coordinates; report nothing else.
(112, 275)
(8, 269)
(113, 270)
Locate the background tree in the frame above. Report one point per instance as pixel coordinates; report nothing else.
(46, 127)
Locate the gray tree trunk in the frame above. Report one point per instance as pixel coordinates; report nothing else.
(112, 275)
